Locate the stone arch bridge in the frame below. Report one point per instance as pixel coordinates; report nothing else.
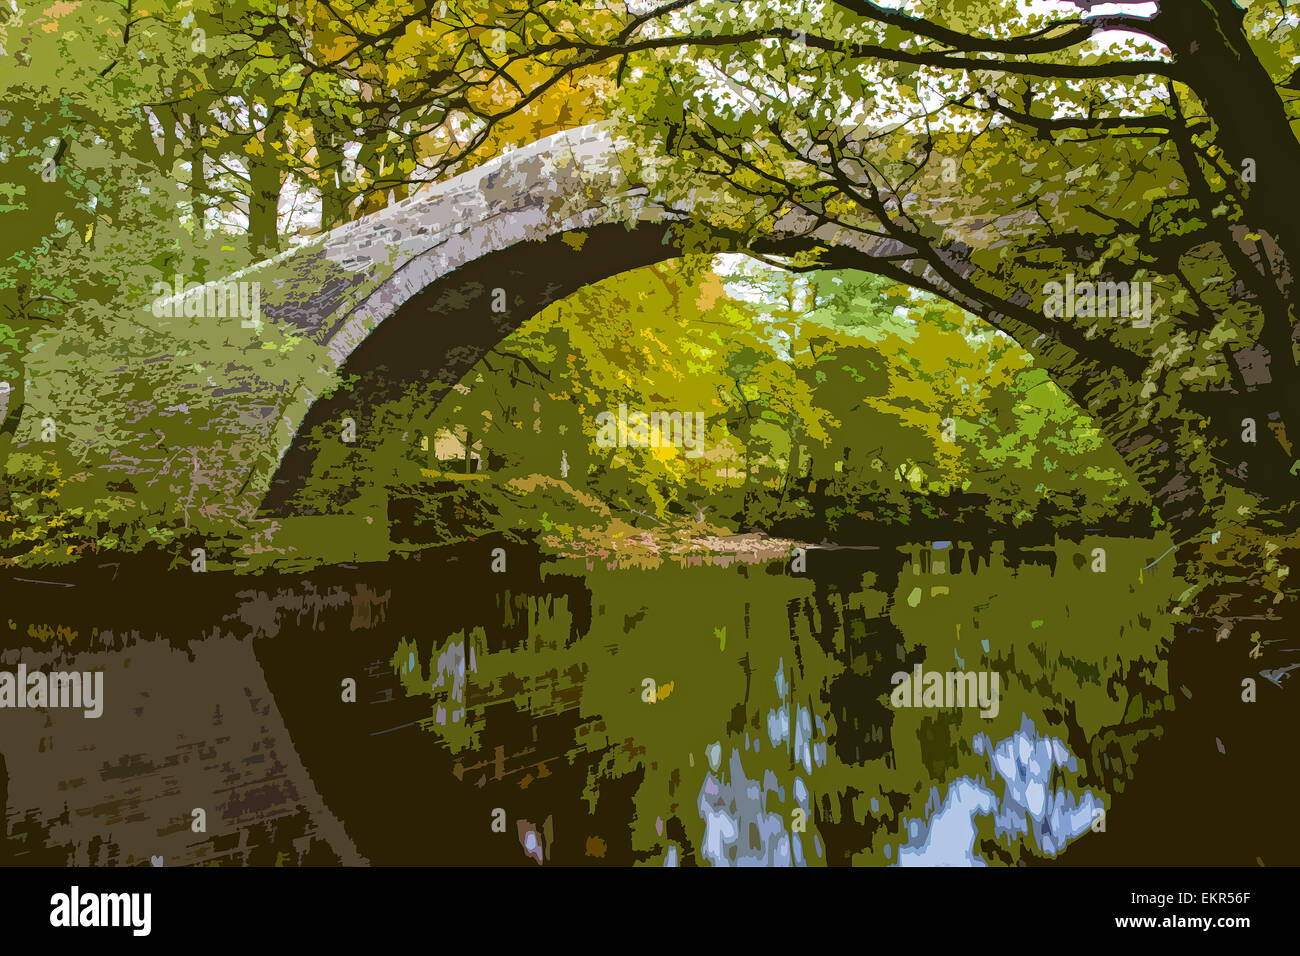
(406, 296)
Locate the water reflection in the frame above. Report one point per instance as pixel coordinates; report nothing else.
(1023, 763)
(748, 711)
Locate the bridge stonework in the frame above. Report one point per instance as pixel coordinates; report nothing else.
(536, 223)
(401, 299)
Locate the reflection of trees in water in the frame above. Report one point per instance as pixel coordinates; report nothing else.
(836, 637)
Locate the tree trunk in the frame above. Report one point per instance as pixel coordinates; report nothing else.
(12, 410)
(1210, 45)
(264, 193)
(372, 165)
(334, 194)
(198, 179)
(10, 417)
(791, 472)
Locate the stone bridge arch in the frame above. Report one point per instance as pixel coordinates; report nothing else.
(406, 294)
(437, 334)
(420, 291)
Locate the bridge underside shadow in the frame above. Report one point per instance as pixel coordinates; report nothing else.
(439, 334)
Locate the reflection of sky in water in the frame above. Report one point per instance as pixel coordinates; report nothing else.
(449, 669)
(1024, 763)
(747, 819)
(740, 829)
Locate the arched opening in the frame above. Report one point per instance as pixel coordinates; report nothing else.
(794, 397)
(441, 332)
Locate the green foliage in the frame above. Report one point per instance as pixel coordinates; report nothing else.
(830, 405)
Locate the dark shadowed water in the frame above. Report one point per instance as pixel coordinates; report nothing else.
(566, 712)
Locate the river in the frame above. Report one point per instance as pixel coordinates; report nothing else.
(730, 712)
